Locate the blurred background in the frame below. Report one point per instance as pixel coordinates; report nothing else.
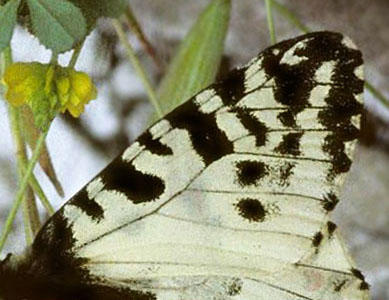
(80, 148)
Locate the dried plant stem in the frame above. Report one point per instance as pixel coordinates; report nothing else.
(138, 67)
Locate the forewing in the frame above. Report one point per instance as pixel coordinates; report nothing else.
(235, 183)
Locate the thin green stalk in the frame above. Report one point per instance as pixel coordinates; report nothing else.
(75, 55)
(54, 58)
(34, 184)
(270, 23)
(22, 188)
(293, 19)
(138, 67)
(27, 222)
(290, 16)
(377, 94)
(32, 208)
(30, 211)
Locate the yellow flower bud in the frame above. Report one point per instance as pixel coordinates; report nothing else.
(55, 87)
(22, 81)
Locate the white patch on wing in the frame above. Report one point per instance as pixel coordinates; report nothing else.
(359, 72)
(230, 124)
(324, 73)
(204, 96)
(94, 187)
(290, 58)
(133, 151)
(160, 128)
(262, 98)
(346, 41)
(211, 105)
(318, 95)
(255, 76)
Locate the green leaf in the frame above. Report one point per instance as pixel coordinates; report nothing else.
(58, 24)
(94, 9)
(8, 15)
(197, 61)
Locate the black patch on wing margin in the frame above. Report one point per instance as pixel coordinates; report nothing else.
(231, 89)
(88, 206)
(154, 145)
(294, 83)
(208, 140)
(50, 270)
(139, 187)
(364, 285)
(331, 227)
(330, 201)
(317, 238)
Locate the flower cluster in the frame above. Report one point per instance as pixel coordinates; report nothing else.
(48, 89)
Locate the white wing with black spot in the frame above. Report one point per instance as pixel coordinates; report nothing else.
(228, 194)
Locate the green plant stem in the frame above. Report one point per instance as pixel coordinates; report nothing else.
(41, 195)
(22, 188)
(270, 22)
(54, 58)
(27, 221)
(75, 55)
(30, 210)
(283, 10)
(377, 94)
(293, 19)
(138, 67)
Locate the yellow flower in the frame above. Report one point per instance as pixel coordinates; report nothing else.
(48, 88)
(23, 81)
(75, 90)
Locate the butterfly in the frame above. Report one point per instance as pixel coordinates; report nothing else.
(226, 197)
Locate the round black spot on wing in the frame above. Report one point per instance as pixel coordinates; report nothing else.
(139, 187)
(88, 206)
(249, 172)
(208, 140)
(251, 209)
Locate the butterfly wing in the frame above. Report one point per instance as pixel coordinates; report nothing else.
(329, 274)
(233, 186)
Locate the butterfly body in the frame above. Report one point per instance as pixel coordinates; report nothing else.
(227, 197)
